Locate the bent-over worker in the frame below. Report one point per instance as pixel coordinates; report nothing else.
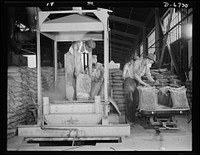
(132, 73)
(96, 78)
(74, 64)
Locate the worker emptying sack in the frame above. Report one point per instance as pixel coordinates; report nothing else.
(97, 78)
(132, 73)
(76, 68)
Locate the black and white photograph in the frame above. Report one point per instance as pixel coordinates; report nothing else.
(99, 75)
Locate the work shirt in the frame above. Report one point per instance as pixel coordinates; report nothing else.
(136, 67)
(75, 57)
(97, 72)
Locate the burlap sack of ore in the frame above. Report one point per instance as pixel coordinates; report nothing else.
(179, 97)
(164, 97)
(95, 89)
(148, 98)
(83, 86)
(18, 99)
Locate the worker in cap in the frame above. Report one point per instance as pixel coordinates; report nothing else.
(132, 73)
(96, 78)
(90, 45)
(74, 64)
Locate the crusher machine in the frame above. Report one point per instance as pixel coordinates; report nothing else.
(76, 119)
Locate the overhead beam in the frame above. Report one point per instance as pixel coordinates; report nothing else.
(127, 21)
(118, 47)
(124, 34)
(127, 43)
(113, 48)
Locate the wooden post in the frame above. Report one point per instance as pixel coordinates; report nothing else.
(144, 41)
(165, 38)
(136, 46)
(157, 34)
(55, 62)
(39, 88)
(102, 14)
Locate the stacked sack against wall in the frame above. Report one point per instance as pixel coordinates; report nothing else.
(166, 78)
(22, 95)
(18, 100)
(47, 74)
(116, 85)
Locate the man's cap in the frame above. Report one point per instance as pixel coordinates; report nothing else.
(151, 57)
(91, 44)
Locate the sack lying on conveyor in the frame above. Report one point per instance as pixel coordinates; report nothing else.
(148, 98)
(179, 97)
(164, 97)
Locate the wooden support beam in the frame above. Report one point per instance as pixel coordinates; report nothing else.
(124, 34)
(126, 21)
(81, 131)
(157, 34)
(165, 39)
(127, 43)
(117, 47)
(120, 47)
(144, 41)
(173, 59)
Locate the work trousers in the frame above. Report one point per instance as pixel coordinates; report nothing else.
(131, 98)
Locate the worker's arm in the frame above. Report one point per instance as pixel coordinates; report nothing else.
(101, 77)
(136, 70)
(140, 80)
(148, 74)
(125, 69)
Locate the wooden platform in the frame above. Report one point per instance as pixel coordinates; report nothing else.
(75, 130)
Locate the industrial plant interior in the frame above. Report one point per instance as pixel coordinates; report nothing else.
(66, 89)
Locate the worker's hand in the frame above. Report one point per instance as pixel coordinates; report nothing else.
(147, 85)
(156, 82)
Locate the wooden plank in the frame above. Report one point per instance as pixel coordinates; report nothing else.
(157, 34)
(83, 131)
(73, 119)
(72, 108)
(126, 21)
(39, 87)
(70, 138)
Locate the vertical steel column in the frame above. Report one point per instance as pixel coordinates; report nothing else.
(39, 88)
(55, 62)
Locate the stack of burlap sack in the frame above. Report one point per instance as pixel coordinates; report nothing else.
(168, 91)
(116, 86)
(18, 100)
(47, 78)
(165, 77)
(152, 98)
(22, 95)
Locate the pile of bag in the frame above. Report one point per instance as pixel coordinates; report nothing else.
(116, 85)
(166, 78)
(18, 100)
(150, 98)
(22, 95)
(47, 77)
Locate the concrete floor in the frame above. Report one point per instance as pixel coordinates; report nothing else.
(141, 139)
